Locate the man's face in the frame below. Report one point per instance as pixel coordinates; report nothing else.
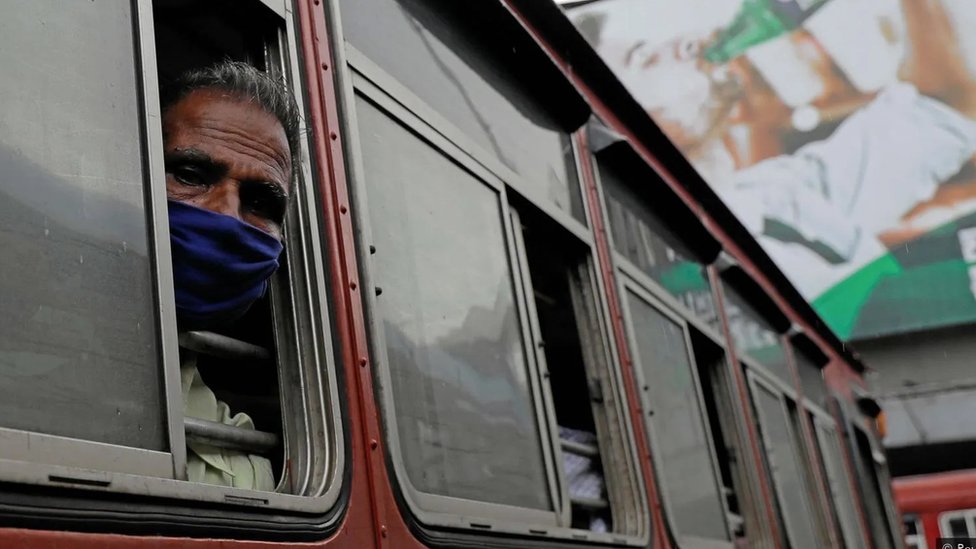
(674, 84)
(229, 156)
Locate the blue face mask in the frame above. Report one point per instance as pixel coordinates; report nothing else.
(221, 265)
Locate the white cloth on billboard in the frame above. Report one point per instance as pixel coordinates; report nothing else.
(877, 165)
(208, 464)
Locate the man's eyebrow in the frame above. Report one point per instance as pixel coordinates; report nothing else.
(194, 156)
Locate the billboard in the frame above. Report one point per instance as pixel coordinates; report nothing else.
(840, 132)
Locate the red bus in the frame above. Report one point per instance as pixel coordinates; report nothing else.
(509, 313)
(937, 505)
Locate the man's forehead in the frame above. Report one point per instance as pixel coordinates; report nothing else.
(214, 113)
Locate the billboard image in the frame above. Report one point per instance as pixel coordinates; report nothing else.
(841, 133)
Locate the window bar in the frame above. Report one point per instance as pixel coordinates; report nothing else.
(221, 346)
(228, 436)
(579, 448)
(589, 503)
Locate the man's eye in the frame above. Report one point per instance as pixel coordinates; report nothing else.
(188, 176)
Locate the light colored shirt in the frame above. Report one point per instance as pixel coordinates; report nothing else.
(819, 211)
(209, 464)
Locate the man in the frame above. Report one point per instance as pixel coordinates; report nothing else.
(230, 136)
(831, 206)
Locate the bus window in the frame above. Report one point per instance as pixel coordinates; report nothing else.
(80, 338)
(786, 463)
(466, 423)
(90, 343)
(266, 364)
(641, 234)
(754, 335)
(576, 362)
(676, 422)
(870, 467)
(914, 534)
(718, 396)
(957, 524)
(494, 361)
(839, 483)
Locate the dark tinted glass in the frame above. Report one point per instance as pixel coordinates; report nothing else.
(640, 235)
(754, 336)
(957, 527)
(426, 52)
(463, 402)
(681, 440)
(78, 349)
(785, 464)
(811, 379)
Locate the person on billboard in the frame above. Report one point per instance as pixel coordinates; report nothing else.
(839, 201)
(230, 139)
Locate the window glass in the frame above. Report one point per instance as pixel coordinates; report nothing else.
(811, 379)
(785, 461)
(463, 404)
(841, 506)
(837, 479)
(642, 238)
(754, 336)
(957, 526)
(423, 49)
(681, 450)
(78, 348)
(914, 535)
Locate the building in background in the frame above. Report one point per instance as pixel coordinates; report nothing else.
(842, 134)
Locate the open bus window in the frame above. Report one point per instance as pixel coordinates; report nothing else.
(262, 368)
(593, 446)
(718, 397)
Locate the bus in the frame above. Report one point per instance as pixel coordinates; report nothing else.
(936, 505)
(509, 313)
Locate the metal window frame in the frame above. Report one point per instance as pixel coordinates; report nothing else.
(636, 490)
(312, 424)
(766, 381)
(916, 540)
(27, 456)
(432, 508)
(529, 317)
(853, 421)
(827, 438)
(363, 79)
(543, 369)
(968, 515)
(628, 286)
(27, 453)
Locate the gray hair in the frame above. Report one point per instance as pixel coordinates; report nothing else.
(250, 84)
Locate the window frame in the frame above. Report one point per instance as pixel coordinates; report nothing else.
(86, 463)
(969, 515)
(627, 286)
(918, 539)
(362, 79)
(823, 423)
(760, 379)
